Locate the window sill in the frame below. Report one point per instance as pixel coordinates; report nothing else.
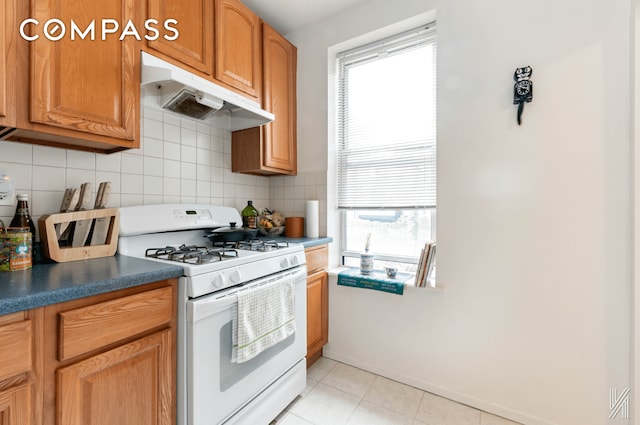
(409, 284)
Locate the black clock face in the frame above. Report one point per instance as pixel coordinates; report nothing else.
(522, 88)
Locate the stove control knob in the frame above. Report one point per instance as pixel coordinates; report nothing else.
(235, 276)
(218, 281)
(284, 263)
(294, 261)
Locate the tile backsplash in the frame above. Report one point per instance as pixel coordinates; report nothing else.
(181, 160)
(289, 193)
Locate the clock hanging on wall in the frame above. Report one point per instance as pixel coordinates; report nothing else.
(522, 89)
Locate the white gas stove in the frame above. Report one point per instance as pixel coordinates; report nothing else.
(176, 233)
(213, 388)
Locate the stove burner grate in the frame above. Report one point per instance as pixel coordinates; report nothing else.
(261, 245)
(191, 254)
(163, 253)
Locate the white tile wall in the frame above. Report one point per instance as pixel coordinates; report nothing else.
(289, 193)
(180, 161)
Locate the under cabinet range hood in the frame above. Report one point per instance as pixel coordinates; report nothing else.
(164, 85)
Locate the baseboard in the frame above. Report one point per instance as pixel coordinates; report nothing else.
(486, 406)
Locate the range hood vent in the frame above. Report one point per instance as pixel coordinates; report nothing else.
(166, 86)
(195, 104)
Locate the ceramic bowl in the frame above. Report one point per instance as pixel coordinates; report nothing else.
(273, 231)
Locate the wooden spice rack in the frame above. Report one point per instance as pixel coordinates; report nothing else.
(49, 240)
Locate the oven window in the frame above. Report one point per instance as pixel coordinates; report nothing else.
(232, 373)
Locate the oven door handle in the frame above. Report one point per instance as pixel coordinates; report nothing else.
(201, 308)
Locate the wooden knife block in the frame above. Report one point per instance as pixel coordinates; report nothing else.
(49, 240)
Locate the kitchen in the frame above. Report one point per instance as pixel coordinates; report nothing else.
(535, 321)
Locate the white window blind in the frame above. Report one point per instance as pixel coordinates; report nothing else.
(386, 123)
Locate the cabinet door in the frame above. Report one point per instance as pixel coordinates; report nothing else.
(237, 47)
(8, 38)
(317, 315)
(279, 73)
(194, 46)
(20, 368)
(16, 348)
(15, 408)
(90, 86)
(131, 384)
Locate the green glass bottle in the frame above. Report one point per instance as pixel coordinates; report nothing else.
(250, 216)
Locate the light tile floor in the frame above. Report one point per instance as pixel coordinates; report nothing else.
(338, 394)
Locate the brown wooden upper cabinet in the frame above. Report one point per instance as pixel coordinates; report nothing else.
(7, 65)
(83, 93)
(194, 46)
(218, 40)
(237, 47)
(272, 148)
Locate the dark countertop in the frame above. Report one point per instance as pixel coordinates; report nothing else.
(52, 283)
(307, 242)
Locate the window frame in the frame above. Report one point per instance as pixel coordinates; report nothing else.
(382, 257)
(345, 253)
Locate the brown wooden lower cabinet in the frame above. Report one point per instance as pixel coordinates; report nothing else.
(20, 368)
(110, 359)
(317, 302)
(130, 384)
(101, 360)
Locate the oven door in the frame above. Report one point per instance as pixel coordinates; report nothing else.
(216, 388)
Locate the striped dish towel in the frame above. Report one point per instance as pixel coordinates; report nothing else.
(265, 316)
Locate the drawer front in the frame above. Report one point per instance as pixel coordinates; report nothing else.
(317, 258)
(89, 328)
(15, 349)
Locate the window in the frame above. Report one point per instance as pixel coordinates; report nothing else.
(386, 154)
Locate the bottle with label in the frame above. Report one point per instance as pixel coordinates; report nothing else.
(4, 250)
(250, 216)
(22, 218)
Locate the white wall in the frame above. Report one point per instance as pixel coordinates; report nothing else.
(534, 223)
(538, 216)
